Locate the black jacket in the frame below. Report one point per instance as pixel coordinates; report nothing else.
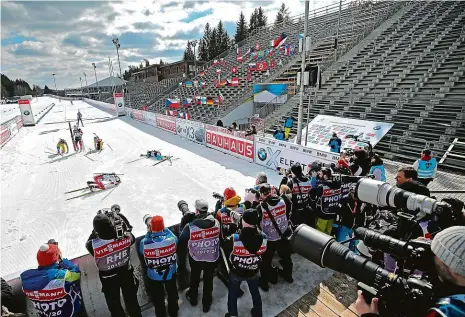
(415, 187)
(252, 240)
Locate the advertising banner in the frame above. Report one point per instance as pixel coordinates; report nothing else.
(230, 142)
(4, 135)
(26, 112)
(137, 115)
(13, 129)
(150, 118)
(273, 153)
(19, 122)
(192, 130)
(119, 103)
(322, 127)
(270, 93)
(166, 123)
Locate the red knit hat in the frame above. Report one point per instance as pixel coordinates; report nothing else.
(229, 193)
(157, 224)
(48, 254)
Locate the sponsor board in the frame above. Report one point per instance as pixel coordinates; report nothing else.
(273, 153)
(26, 112)
(322, 127)
(119, 103)
(192, 130)
(150, 118)
(4, 135)
(166, 123)
(13, 129)
(137, 115)
(230, 142)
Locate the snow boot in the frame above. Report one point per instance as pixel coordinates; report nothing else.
(254, 313)
(273, 277)
(206, 308)
(286, 276)
(263, 283)
(191, 299)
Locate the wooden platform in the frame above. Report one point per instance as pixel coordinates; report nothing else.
(333, 297)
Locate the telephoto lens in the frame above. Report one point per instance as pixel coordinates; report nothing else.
(183, 207)
(147, 219)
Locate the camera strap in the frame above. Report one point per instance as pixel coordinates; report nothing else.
(273, 221)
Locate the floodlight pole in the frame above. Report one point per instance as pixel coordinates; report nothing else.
(302, 71)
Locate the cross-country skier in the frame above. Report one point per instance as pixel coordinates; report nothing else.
(155, 154)
(104, 181)
(98, 143)
(78, 138)
(79, 117)
(62, 147)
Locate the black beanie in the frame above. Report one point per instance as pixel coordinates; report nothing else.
(104, 227)
(296, 169)
(250, 216)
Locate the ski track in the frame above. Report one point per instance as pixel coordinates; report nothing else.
(33, 205)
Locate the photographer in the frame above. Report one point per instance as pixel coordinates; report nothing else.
(407, 179)
(273, 211)
(448, 248)
(53, 276)
(158, 249)
(300, 186)
(328, 196)
(377, 168)
(245, 251)
(360, 163)
(110, 245)
(202, 236)
(223, 215)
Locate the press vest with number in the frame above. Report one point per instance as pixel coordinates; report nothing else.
(54, 300)
(329, 202)
(204, 244)
(426, 168)
(111, 254)
(241, 258)
(300, 198)
(279, 213)
(228, 225)
(160, 257)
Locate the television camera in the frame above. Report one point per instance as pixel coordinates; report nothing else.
(119, 222)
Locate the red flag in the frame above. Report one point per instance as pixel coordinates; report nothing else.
(234, 69)
(238, 51)
(240, 59)
(262, 66)
(249, 75)
(216, 83)
(235, 81)
(273, 63)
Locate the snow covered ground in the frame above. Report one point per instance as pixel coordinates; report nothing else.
(9, 111)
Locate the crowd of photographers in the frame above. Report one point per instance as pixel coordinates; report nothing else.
(240, 238)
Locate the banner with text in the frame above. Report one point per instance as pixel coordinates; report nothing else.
(26, 112)
(230, 142)
(119, 104)
(322, 127)
(166, 123)
(192, 130)
(273, 153)
(137, 115)
(150, 118)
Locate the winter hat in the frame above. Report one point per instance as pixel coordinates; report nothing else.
(103, 226)
(261, 178)
(157, 224)
(449, 246)
(296, 169)
(229, 193)
(250, 216)
(48, 254)
(201, 205)
(230, 197)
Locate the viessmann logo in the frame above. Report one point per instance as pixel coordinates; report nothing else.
(269, 156)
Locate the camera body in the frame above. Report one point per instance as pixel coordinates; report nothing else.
(119, 225)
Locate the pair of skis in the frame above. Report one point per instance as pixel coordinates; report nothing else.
(88, 192)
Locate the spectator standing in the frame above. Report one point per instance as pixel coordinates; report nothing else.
(377, 168)
(288, 123)
(426, 167)
(335, 143)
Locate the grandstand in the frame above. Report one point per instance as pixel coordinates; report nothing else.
(410, 74)
(106, 87)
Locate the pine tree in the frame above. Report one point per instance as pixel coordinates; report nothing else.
(282, 15)
(161, 62)
(222, 38)
(262, 19)
(202, 52)
(47, 90)
(213, 45)
(207, 34)
(188, 53)
(253, 20)
(241, 29)
(147, 63)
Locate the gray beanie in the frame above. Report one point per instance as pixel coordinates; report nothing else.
(449, 246)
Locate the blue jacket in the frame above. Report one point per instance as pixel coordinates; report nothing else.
(279, 135)
(54, 290)
(335, 145)
(383, 172)
(289, 122)
(426, 168)
(159, 252)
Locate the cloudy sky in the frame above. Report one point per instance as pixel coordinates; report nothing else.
(39, 38)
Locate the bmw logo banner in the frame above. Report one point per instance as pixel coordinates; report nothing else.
(26, 112)
(119, 103)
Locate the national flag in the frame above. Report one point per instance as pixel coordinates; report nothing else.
(197, 100)
(179, 84)
(184, 115)
(278, 42)
(172, 103)
(273, 63)
(188, 84)
(203, 100)
(262, 66)
(218, 70)
(202, 73)
(252, 66)
(301, 36)
(223, 62)
(271, 53)
(220, 97)
(235, 81)
(261, 54)
(173, 113)
(223, 82)
(196, 84)
(287, 49)
(216, 83)
(292, 50)
(187, 102)
(257, 47)
(209, 100)
(202, 84)
(272, 43)
(234, 69)
(215, 62)
(249, 75)
(240, 59)
(238, 51)
(248, 52)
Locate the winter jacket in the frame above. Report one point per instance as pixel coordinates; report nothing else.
(379, 172)
(289, 122)
(335, 145)
(415, 187)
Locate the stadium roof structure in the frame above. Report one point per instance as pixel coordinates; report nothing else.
(107, 82)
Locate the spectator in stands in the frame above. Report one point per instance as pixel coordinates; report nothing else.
(426, 167)
(219, 123)
(233, 127)
(377, 168)
(252, 131)
(288, 123)
(406, 179)
(335, 143)
(279, 135)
